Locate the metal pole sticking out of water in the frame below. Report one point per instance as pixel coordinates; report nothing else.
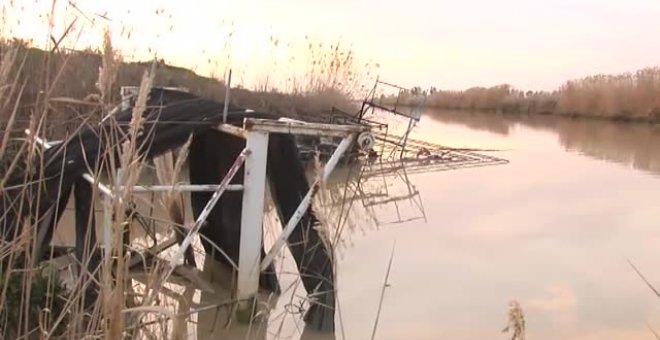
(224, 112)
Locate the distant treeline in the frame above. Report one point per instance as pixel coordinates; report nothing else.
(629, 96)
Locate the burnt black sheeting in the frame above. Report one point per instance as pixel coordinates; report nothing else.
(288, 185)
(87, 254)
(170, 119)
(313, 258)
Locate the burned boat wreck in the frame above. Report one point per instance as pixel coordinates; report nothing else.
(170, 119)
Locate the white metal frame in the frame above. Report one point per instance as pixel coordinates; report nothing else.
(256, 132)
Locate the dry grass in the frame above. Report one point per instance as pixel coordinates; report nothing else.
(34, 301)
(79, 72)
(628, 96)
(496, 98)
(44, 308)
(516, 324)
(56, 93)
(323, 75)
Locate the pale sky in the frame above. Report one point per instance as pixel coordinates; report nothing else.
(447, 44)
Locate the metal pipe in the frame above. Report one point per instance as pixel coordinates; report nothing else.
(336, 156)
(405, 138)
(178, 258)
(184, 188)
(310, 129)
(107, 226)
(102, 187)
(232, 130)
(226, 109)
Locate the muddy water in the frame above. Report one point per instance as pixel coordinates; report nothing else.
(553, 229)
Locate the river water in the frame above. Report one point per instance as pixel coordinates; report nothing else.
(553, 229)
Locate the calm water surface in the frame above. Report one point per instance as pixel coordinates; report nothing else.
(552, 229)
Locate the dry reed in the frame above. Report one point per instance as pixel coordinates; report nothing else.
(627, 96)
(57, 92)
(516, 324)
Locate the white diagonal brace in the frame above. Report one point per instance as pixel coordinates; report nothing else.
(306, 201)
(184, 188)
(178, 258)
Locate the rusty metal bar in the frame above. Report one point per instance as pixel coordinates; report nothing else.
(301, 128)
(232, 130)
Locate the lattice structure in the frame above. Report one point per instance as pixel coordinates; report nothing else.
(408, 103)
(374, 182)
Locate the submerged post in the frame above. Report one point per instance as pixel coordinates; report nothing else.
(254, 188)
(224, 112)
(307, 201)
(405, 137)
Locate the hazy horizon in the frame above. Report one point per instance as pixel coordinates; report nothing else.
(531, 45)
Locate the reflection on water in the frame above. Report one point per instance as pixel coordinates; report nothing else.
(379, 193)
(279, 312)
(632, 144)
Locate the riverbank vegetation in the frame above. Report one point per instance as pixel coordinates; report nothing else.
(334, 80)
(627, 96)
(55, 92)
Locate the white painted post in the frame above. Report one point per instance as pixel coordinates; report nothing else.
(107, 247)
(254, 189)
(226, 108)
(107, 224)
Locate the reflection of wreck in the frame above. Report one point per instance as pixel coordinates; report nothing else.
(386, 192)
(385, 197)
(376, 181)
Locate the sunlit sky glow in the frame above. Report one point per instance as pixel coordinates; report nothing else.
(448, 44)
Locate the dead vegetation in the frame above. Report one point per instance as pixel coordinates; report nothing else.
(57, 92)
(629, 96)
(516, 323)
(78, 71)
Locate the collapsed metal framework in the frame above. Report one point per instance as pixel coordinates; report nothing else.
(256, 133)
(408, 103)
(397, 155)
(372, 186)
